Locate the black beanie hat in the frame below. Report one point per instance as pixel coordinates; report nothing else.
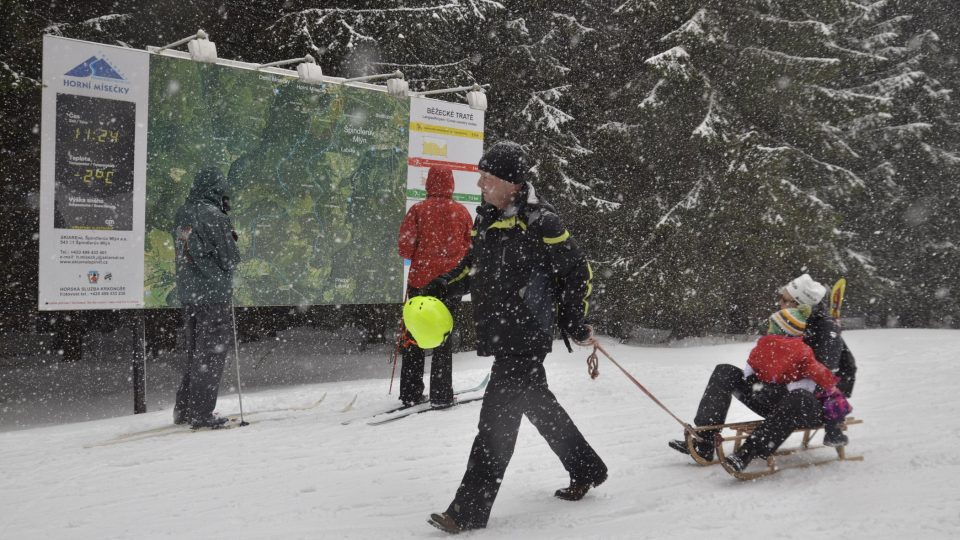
(505, 160)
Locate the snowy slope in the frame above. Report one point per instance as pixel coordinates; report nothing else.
(301, 474)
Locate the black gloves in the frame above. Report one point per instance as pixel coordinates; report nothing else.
(436, 288)
(584, 337)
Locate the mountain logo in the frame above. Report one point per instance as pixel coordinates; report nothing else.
(96, 68)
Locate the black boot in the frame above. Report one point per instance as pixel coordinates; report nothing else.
(210, 422)
(179, 416)
(577, 489)
(736, 463)
(833, 435)
(410, 401)
(445, 523)
(703, 448)
(442, 404)
(740, 459)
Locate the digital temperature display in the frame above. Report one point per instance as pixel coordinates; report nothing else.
(94, 163)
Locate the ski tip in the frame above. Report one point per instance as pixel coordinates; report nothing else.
(351, 404)
(836, 297)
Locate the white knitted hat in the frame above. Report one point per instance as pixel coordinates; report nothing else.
(805, 290)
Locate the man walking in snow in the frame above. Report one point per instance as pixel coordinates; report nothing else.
(434, 236)
(206, 257)
(525, 274)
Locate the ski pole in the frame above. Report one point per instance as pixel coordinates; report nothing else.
(594, 371)
(401, 330)
(236, 357)
(396, 351)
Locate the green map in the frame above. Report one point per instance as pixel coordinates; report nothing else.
(317, 177)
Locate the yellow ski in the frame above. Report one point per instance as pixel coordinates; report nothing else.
(836, 297)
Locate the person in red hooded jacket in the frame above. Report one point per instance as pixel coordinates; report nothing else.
(434, 236)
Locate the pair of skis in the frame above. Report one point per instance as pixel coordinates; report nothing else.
(393, 414)
(233, 421)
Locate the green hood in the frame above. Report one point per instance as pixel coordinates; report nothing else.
(209, 185)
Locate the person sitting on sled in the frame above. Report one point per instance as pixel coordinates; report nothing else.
(823, 335)
(780, 383)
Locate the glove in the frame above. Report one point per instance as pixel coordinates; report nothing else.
(233, 234)
(835, 406)
(436, 288)
(588, 340)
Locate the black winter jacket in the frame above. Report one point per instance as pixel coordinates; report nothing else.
(525, 275)
(823, 336)
(206, 251)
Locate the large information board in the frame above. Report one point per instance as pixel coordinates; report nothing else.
(320, 176)
(92, 175)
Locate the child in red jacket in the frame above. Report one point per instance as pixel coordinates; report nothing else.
(783, 357)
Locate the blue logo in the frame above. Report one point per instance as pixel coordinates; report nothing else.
(97, 68)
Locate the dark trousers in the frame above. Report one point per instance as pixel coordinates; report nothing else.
(783, 411)
(208, 336)
(441, 365)
(517, 388)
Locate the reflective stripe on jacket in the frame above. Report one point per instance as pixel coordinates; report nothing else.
(526, 275)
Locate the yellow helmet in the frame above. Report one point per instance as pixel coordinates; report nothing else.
(428, 320)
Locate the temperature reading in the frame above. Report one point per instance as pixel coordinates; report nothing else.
(100, 175)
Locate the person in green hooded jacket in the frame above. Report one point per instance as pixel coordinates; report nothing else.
(206, 253)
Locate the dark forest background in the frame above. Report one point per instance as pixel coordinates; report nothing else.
(703, 152)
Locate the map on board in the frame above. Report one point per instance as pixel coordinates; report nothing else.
(317, 177)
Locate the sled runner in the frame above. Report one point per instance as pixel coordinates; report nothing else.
(738, 432)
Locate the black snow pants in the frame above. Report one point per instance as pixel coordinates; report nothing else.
(209, 334)
(783, 411)
(517, 388)
(441, 365)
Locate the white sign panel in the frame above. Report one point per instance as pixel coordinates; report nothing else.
(92, 175)
(444, 133)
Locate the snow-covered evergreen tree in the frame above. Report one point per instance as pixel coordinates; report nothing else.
(907, 227)
(743, 161)
(542, 64)
(432, 41)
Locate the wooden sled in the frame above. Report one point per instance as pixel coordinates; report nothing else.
(739, 431)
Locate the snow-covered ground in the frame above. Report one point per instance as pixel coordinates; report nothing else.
(302, 474)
